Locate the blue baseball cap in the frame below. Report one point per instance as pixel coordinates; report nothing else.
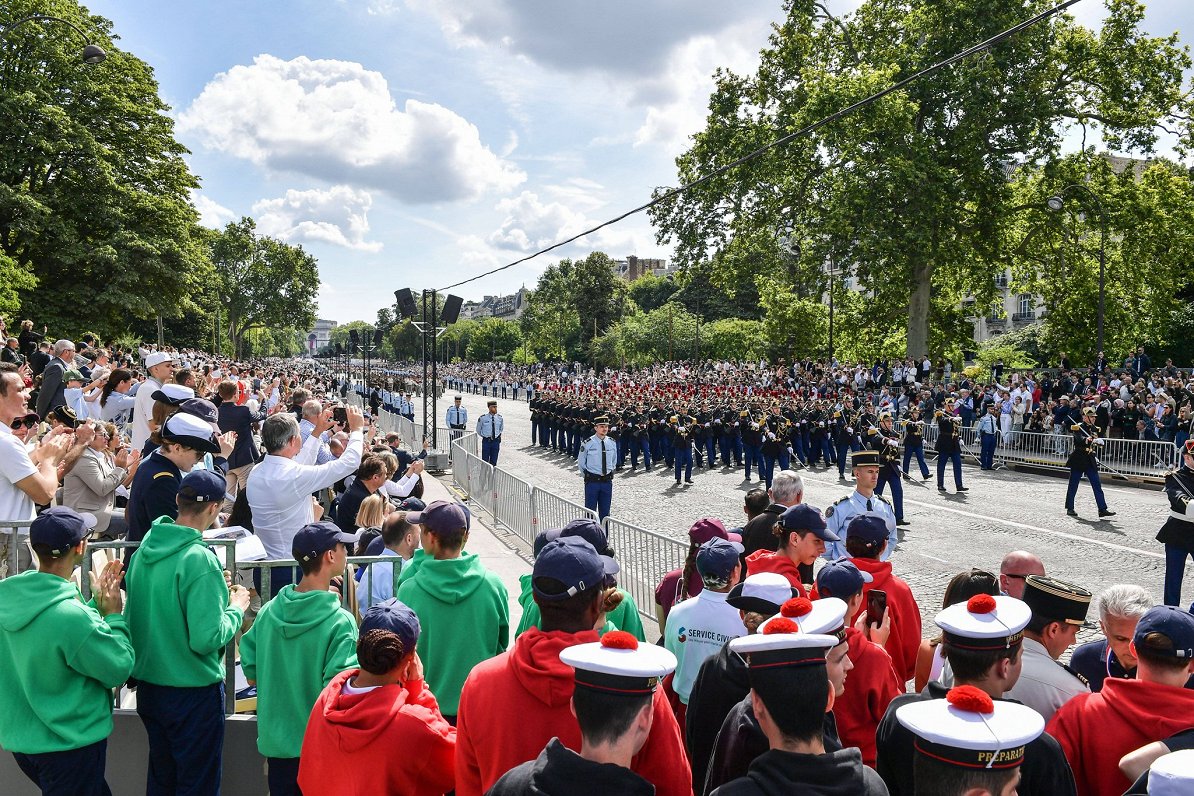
(442, 516)
(573, 562)
(395, 617)
(60, 528)
(1175, 624)
(542, 538)
(203, 486)
(841, 578)
(870, 528)
(717, 558)
(804, 517)
(589, 530)
(317, 538)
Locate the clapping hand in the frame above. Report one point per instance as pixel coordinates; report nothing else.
(108, 597)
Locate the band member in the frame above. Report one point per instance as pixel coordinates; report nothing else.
(949, 445)
(885, 442)
(1084, 461)
(1177, 534)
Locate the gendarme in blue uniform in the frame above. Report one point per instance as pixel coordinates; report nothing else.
(597, 459)
(489, 429)
(838, 514)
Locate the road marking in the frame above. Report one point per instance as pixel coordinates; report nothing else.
(1014, 524)
(934, 558)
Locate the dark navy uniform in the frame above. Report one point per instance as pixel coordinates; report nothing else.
(1177, 534)
(1084, 461)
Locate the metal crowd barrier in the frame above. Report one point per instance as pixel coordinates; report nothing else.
(9, 529)
(1146, 460)
(644, 557)
(552, 511)
(512, 505)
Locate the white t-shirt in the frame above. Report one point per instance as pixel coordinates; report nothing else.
(697, 629)
(15, 466)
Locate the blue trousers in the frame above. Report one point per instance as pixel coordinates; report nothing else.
(827, 450)
(919, 453)
(752, 455)
(490, 448)
(597, 497)
(1175, 568)
(641, 444)
(768, 469)
(711, 450)
(282, 775)
(889, 475)
(986, 454)
(956, 458)
(1092, 475)
(75, 772)
(799, 449)
(683, 461)
(666, 452)
(843, 458)
(186, 738)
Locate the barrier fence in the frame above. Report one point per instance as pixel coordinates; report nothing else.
(1130, 459)
(644, 557)
(14, 541)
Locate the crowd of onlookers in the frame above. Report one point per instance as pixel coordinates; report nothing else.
(777, 668)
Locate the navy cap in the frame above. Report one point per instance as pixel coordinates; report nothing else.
(841, 578)
(317, 538)
(542, 538)
(589, 530)
(1175, 624)
(395, 617)
(717, 558)
(412, 504)
(203, 486)
(60, 528)
(803, 517)
(203, 409)
(573, 562)
(869, 527)
(442, 516)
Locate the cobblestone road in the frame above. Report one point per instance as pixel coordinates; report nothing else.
(1004, 510)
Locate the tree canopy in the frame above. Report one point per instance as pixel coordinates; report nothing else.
(910, 195)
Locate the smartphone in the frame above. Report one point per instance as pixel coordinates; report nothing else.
(340, 414)
(876, 606)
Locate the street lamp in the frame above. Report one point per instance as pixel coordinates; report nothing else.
(1056, 203)
(91, 54)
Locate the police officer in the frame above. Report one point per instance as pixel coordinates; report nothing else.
(489, 429)
(1177, 534)
(1084, 461)
(596, 460)
(862, 500)
(456, 418)
(988, 432)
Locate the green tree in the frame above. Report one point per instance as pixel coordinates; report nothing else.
(651, 292)
(793, 326)
(494, 339)
(702, 295)
(549, 323)
(600, 296)
(262, 281)
(910, 193)
(732, 338)
(454, 341)
(96, 225)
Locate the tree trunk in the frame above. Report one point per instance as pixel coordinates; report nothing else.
(919, 307)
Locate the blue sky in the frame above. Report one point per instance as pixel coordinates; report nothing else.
(418, 142)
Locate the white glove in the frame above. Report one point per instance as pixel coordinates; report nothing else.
(821, 424)
(849, 430)
(1098, 441)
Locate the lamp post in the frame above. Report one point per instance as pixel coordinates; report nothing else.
(1056, 203)
(91, 53)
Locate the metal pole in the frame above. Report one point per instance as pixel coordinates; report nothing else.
(831, 286)
(434, 332)
(426, 398)
(1102, 272)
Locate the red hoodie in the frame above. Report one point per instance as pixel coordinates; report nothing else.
(1096, 730)
(350, 741)
(767, 561)
(904, 641)
(512, 705)
(870, 687)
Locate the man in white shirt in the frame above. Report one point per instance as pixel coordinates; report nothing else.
(159, 367)
(280, 486)
(25, 481)
(698, 628)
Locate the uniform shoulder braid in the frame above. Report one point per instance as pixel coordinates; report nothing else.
(1081, 678)
(881, 498)
(829, 509)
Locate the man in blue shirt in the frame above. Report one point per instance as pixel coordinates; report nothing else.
(597, 459)
(988, 430)
(489, 429)
(456, 418)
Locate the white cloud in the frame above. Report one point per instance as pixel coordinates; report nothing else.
(337, 121)
(531, 224)
(338, 216)
(211, 213)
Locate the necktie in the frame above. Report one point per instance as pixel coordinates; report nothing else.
(869, 507)
(492, 428)
(603, 456)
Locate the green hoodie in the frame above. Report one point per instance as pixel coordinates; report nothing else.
(297, 644)
(464, 618)
(178, 610)
(58, 662)
(624, 617)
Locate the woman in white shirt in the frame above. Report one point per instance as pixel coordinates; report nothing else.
(115, 403)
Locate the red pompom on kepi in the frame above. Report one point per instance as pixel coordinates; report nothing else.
(980, 604)
(780, 625)
(796, 607)
(970, 699)
(619, 640)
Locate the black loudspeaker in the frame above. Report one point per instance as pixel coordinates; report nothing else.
(377, 338)
(354, 338)
(451, 310)
(406, 303)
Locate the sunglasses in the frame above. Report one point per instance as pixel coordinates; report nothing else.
(23, 422)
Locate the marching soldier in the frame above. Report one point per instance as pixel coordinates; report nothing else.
(681, 426)
(949, 445)
(914, 443)
(752, 442)
(1177, 534)
(885, 442)
(1084, 461)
